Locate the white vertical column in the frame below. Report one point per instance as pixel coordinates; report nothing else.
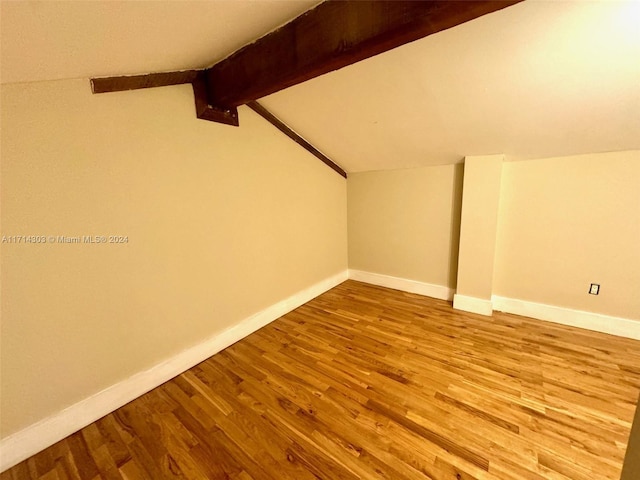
(479, 221)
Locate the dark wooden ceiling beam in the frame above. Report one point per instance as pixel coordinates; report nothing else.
(280, 125)
(331, 36)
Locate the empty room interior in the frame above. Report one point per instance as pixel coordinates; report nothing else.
(291, 239)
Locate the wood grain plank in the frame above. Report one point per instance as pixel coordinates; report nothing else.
(367, 382)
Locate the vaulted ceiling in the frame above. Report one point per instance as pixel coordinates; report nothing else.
(537, 79)
(45, 40)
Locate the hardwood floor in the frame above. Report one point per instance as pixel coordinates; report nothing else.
(371, 383)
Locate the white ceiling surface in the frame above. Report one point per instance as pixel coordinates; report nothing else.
(538, 79)
(49, 40)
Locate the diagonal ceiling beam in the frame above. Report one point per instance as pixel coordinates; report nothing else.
(204, 110)
(284, 128)
(331, 36)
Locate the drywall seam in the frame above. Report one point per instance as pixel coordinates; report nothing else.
(29, 441)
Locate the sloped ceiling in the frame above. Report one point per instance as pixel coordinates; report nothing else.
(48, 40)
(538, 79)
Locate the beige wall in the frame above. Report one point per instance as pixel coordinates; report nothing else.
(222, 222)
(405, 223)
(562, 224)
(567, 222)
(479, 219)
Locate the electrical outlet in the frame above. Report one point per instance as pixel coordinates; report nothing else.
(594, 289)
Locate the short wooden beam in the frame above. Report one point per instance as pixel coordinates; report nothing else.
(197, 78)
(148, 80)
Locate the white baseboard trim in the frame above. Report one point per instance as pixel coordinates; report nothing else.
(472, 304)
(29, 441)
(622, 327)
(406, 285)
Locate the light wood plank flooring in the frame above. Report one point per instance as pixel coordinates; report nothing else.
(370, 383)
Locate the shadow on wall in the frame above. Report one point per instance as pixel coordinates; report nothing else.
(456, 214)
(631, 468)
